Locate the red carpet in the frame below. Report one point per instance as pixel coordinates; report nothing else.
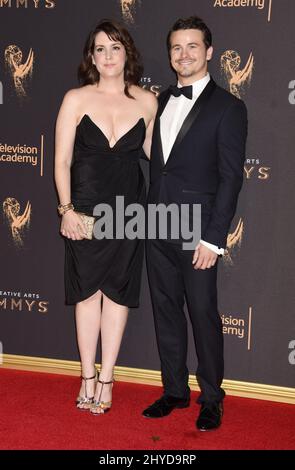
(37, 412)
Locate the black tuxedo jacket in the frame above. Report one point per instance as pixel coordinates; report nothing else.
(206, 163)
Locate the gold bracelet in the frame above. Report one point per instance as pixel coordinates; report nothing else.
(63, 208)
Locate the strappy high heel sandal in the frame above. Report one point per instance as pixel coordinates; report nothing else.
(99, 407)
(84, 403)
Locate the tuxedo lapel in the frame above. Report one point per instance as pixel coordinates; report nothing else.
(192, 115)
(157, 128)
(158, 140)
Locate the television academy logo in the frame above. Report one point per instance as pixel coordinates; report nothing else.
(238, 326)
(259, 4)
(20, 71)
(237, 79)
(23, 154)
(17, 221)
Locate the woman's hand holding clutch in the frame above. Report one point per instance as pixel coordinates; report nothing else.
(72, 226)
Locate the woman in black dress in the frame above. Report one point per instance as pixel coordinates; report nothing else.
(102, 129)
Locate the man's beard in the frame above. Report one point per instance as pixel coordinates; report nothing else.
(185, 73)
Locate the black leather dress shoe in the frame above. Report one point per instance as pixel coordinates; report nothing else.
(164, 406)
(210, 416)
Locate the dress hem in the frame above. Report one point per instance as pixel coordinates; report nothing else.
(74, 302)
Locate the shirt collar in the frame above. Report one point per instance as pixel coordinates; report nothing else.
(199, 85)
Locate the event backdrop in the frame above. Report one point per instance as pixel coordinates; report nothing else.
(40, 48)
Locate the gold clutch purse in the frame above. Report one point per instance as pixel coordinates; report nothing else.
(88, 222)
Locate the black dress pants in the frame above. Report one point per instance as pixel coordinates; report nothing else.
(173, 280)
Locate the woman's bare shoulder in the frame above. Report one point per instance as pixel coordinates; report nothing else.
(76, 95)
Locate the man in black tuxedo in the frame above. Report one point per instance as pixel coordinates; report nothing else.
(197, 157)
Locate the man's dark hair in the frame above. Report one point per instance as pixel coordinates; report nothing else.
(193, 22)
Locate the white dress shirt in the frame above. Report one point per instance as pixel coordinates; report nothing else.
(171, 122)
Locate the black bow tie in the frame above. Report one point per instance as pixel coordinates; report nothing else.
(186, 91)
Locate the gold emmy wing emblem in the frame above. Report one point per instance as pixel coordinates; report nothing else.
(233, 240)
(230, 64)
(128, 7)
(17, 221)
(20, 72)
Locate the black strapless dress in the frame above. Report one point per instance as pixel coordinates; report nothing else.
(99, 173)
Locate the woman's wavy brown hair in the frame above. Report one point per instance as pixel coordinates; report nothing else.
(88, 73)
